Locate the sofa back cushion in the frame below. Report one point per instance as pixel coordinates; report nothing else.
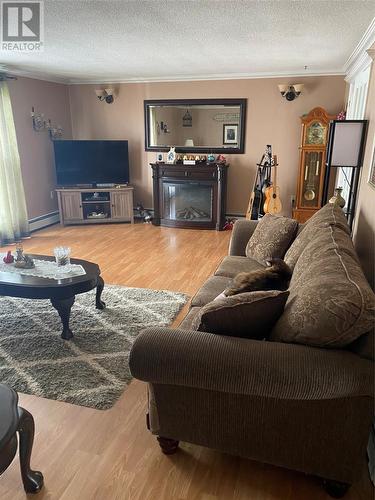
(329, 215)
(249, 315)
(331, 303)
(271, 238)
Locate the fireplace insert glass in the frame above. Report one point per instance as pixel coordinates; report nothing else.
(190, 201)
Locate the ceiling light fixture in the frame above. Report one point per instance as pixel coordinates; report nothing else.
(291, 92)
(105, 95)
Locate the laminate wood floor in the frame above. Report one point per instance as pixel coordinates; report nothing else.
(87, 454)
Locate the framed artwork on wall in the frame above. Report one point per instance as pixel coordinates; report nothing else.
(230, 133)
(371, 178)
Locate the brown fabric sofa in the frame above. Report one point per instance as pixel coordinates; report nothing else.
(295, 406)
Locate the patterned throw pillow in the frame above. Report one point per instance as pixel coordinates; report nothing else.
(271, 238)
(329, 215)
(250, 315)
(331, 303)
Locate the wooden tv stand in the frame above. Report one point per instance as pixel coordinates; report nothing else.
(79, 205)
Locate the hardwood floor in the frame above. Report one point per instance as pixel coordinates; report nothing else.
(87, 454)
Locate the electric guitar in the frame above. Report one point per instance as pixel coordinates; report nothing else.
(273, 204)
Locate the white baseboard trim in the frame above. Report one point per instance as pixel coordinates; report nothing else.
(44, 221)
(53, 218)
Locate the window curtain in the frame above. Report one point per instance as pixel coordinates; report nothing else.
(13, 214)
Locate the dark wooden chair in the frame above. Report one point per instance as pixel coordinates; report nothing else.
(15, 419)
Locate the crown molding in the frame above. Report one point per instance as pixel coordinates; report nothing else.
(48, 77)
(186, 78)
(217, 76)
(359, 58)
(45, 77)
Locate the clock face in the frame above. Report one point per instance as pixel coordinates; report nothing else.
(316, 134)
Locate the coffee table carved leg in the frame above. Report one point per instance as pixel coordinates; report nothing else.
(99, 288)
(63, 307)
(32, 480)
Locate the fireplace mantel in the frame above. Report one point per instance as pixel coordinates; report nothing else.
(190, 196)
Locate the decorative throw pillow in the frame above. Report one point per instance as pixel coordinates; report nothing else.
(250, 315)
(331, 303)
(271, 238)
(329, 215)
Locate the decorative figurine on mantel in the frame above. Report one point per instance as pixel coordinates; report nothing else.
(171, 156)
(211, 158)
(8, 259)
(221, 159)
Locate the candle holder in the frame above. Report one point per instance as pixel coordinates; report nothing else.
(62, 256)
(40, 124)
(54, 132)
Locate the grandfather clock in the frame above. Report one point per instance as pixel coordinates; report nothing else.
(314, 136)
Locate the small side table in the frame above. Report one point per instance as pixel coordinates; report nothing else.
(15, 419)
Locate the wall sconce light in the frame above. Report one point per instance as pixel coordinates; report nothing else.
(40, 124)
(105, 95)
(54, 132)
(291, 92)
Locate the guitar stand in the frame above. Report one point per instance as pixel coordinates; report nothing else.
(262, 181)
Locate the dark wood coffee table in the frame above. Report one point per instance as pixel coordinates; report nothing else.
(60, 292)
(13, 420)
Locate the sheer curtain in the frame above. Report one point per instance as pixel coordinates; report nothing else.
(13, 215)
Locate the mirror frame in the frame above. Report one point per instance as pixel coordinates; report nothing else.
(242, 103)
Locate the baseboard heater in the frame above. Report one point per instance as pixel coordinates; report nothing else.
(43, 221)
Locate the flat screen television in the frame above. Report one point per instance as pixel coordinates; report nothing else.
(91, 162)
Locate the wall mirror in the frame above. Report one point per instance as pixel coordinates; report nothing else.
(193, 125)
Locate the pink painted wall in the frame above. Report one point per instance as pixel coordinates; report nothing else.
(270, 120)
(35, 148)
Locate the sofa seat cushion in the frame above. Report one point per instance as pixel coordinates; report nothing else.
(210, 290)
(329, 215)
(230, 266)
(331, 303)
(271, 238)
(250, 315)
(187, 322)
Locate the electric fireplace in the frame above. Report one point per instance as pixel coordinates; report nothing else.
(191, 196)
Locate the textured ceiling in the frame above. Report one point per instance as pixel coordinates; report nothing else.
(91, 41)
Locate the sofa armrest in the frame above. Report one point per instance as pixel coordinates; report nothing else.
(241, 233)
(249, 367)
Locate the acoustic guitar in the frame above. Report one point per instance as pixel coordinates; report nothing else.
(273, 204)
